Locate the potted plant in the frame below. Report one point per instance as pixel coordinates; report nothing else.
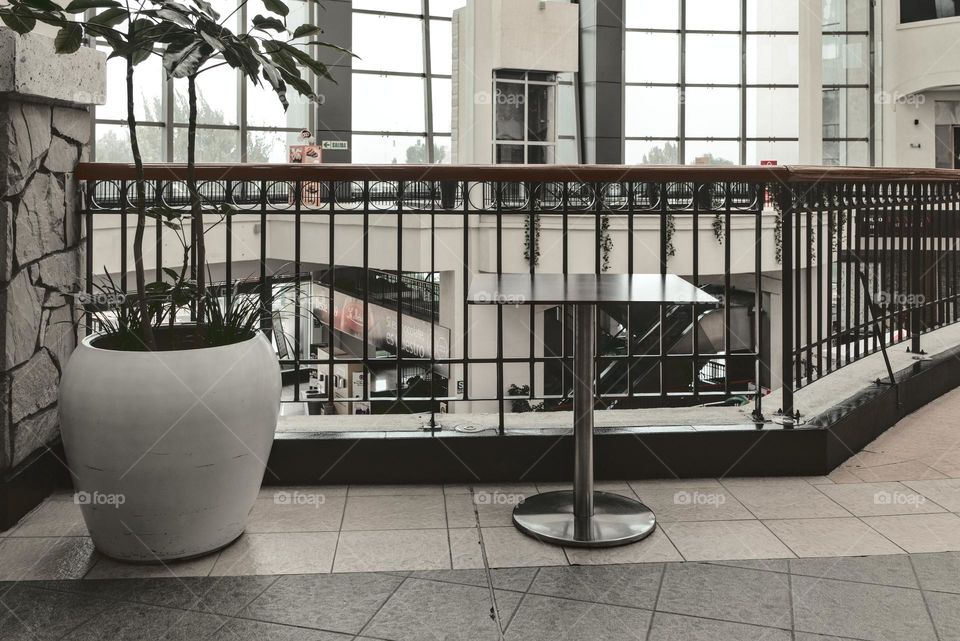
(167, 427)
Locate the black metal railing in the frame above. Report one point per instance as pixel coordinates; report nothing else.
(815, 268)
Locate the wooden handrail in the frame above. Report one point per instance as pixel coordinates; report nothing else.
(523, 173)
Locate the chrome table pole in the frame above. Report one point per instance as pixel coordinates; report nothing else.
(584, 517)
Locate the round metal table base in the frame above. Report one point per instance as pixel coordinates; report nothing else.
(616, 520)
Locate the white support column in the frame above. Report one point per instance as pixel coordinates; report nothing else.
(811, 82)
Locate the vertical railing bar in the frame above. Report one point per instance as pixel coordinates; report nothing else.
(366, 294)
(808, 254)
(760, 198)
(533, 215)
(401, 185)
(786, 300)
(331, 283)
(434, 314)
(661, 366)
(124, 257)
(265, 322)
(823, 194)
(848, 281)
(916, 258)
(631, 204)
(695, 260)
(228, 244)
(797, 286)
(500, 380)
(727, 294)
(464, 267)
(297, 205)
(88, 204)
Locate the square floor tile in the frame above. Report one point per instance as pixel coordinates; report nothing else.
(336, 602)
(727, 593)
(106, 568)
(831, 537)
(945, 612)
(770, 565)
(293, 553)
(507, 547)
(894, 570)
(401, 512)
(465, 550)
(542, 618)
(52, 518)
(432, 610)
(45, 558)
(674, 627)
(633, 586)
(30, 614)
(244, 630)
(843, 475)
(286, 515)
(875, 612)
(395, 490)
(656, 547)
(133, 622)
(945, 492)
(880, 499)
(725, 540)
(386, 551)
(693, 503)
(920, 532)
(938, 571)
(784, 499)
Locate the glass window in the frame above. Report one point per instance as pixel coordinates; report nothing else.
(113, 143)
(403, 94)
(441, 150)
(441, 47)
(651, 57)
(387, 150)
(541, 113)
(652, 112)
(393, 6)
(773, 15)
(773, 60)
(712, 112)
(510, 113)
(784, 152)
(387, 43)
(270, 146)
(652, 14)
(712, 152)
(510, 155)
(918, 10)
(846, 112)
(652, 152)
(713, 15)
(713, 59)
(445, 7)
(148, 84)
(442, 101)
(264, 108)
(773, 113)
(846, 60)
(846, 15)
(213, 145)
(216, 97)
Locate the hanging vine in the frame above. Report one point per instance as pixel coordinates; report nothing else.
(718, 227)
(606, 242)
(670, 230)
(778, 232)
(531, 238)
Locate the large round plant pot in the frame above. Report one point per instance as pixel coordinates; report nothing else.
(168, 448)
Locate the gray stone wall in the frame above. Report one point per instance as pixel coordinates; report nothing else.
(45, 127)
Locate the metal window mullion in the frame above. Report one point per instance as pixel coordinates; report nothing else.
(682, 106)
(428, 80)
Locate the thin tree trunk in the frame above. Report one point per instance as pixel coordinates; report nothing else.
(146, 321)
(196, 206)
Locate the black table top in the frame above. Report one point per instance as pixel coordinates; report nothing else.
(557, 289)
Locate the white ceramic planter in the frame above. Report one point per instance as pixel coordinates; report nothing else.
(168, 449)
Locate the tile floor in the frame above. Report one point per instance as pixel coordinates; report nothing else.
(871, 551)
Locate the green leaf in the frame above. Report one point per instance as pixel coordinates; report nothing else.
(19, 20)
(79, 6)
(184, 59)
(207, 8)
(42, 5)
(263, 24)
(110, 17)
(277, 7)
(69, 38)
(306, 30)
(175, 17)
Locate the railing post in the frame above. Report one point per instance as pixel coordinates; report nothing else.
(786, 206)
(916, 264)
